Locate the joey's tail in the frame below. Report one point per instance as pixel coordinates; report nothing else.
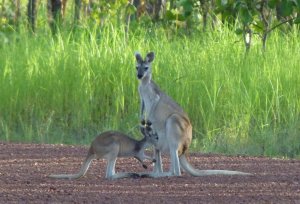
(196, 172)
(84, 167)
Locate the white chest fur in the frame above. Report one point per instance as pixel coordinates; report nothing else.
(149, 96)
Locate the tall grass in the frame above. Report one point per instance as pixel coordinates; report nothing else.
(67, 88)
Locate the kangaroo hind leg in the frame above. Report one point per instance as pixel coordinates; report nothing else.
(175, 131)
(110, 171)
(111, 163)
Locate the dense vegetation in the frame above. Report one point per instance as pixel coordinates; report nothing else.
(64, 80)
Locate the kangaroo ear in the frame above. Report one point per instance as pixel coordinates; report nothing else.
(138, 57)
(150, 57)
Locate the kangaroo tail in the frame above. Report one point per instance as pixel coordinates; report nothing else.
(82, 172)
(196, 172)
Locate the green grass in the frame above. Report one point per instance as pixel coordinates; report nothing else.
(65, 89)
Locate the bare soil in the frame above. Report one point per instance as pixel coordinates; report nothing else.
(24, 169)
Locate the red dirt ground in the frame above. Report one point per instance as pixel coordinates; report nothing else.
(24, 169)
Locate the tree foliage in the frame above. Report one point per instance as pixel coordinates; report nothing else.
(245, 17)
(259, 16)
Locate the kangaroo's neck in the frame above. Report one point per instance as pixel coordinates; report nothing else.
(148, 88)
(140, 145)
(146, 80)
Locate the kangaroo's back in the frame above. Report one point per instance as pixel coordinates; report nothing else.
(103, 143)
(166, 105)
(167, 109)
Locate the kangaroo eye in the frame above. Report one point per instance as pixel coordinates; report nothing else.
(146, 68)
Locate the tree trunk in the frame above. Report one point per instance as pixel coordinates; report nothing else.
(77, 12)
(31, 14)
(63, 7)
(204, 8)
(2, 8)
(128, 17)
(279, 15)
(17, 13)
(136, 4)
(264, 14)
(213, 14)
(55, 14)
(157, 9)
(87, 7)
(247, 35)
(172, 4)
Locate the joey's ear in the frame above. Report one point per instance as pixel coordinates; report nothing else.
(150, 57)
(138, 57)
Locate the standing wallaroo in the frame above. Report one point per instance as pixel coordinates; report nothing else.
(171, 124)
(113, 144)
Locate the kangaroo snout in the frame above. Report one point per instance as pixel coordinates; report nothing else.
(140, 76)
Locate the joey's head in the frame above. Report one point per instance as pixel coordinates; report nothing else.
(148, 132)
(143, 67)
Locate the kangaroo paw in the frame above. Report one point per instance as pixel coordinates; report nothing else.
(134, 175)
